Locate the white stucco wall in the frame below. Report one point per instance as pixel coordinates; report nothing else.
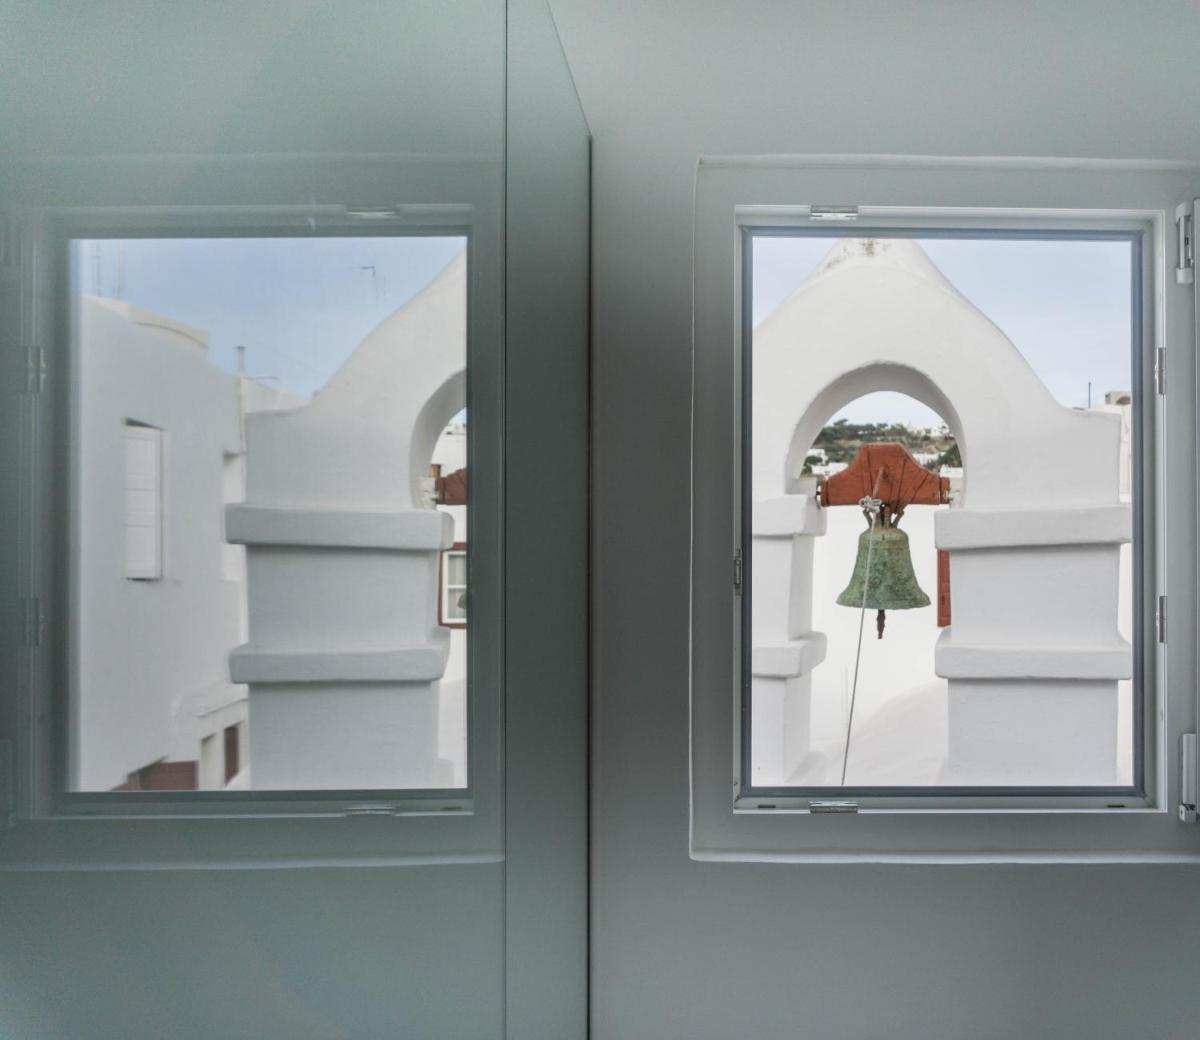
(149, 670)
(344, 653)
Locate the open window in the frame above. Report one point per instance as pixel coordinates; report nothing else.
(946, 494)
(944, 451)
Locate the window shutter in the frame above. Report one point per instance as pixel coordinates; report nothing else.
(143, 502)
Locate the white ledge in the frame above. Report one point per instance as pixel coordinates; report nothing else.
(958, 661)
(413, 530)
(786, 516)
(1006, 528)
(248, 664)
(788, 659)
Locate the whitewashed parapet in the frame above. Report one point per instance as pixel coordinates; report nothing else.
(789, 659)
(411, 530)
(788, 516)
(958, 529)
(1028, 661)
(251, 664)
(1034, 594)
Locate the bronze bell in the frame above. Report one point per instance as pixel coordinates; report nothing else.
(892, 585)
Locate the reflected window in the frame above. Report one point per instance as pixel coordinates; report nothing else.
(258, 560)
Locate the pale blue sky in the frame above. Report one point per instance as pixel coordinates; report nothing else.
(299, 305)
(1066, 305)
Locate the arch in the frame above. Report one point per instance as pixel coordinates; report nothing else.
(849, 388)
(877, 315)
(440, 407)
(367, 438)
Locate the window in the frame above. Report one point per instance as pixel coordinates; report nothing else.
(454, 586)
(309, 381)
(143, 501)
(943, 504)
(973, 386)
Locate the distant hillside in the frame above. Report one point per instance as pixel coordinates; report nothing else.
(841, 440)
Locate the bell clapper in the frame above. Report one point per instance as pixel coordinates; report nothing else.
(880, 620)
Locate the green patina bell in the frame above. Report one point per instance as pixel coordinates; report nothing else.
(892, 584)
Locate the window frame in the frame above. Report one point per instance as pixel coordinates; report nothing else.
(915, 195)
(455, 195)
(1119, 227)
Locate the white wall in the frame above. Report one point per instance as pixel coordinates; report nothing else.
(151, 674)
(711, 951)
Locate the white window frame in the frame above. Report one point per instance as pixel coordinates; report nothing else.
(439, 196)
(915, 193)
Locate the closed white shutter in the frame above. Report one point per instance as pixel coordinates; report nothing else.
(143, 501)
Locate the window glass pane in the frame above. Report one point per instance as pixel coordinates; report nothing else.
(974, 626)
(258, 429)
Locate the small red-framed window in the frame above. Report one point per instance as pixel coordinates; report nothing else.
(452, 589)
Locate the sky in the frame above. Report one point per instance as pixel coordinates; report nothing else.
(1066, 305)
(299, 305)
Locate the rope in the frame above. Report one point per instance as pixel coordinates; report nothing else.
(871, 507)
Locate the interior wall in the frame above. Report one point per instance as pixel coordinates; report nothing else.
(710, 951)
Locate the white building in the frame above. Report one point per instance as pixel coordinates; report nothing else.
(160, 595)
(346, 652)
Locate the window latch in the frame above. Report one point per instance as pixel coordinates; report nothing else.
(833, 214)
(1187, 778)
(1185, 267)
(369, 810)
(835, 806)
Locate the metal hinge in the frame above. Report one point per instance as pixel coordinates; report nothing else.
(833, 807)
(1160, 619)
(833, 214)
(737, 572)
(1160, 371)
(1187, 777)
(1185, 244)
(35, 370)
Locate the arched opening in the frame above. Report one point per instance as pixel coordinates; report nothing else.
(899, 734)
(436, 414)
(885, 382)
(900, 715)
